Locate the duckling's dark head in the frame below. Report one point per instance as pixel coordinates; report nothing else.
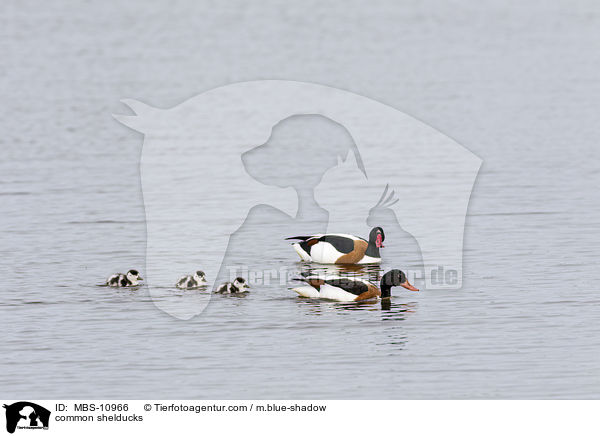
(133, 274)
(240, 283)
(377, 237)
(392, 278)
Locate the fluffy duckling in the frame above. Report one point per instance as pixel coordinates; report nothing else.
(195, 281)
(124, 280)
(238, 286)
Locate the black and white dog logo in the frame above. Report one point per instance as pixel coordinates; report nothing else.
(26, 415)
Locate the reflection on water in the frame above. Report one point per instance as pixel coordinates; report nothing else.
(390, 311)
(370, 272)
(391, 337)
(237, 295)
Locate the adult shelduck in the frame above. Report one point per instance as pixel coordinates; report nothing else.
(340, 248)
(189, 282)
(352, 289)
(124, 280)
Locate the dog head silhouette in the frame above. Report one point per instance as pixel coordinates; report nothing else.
(33, 413)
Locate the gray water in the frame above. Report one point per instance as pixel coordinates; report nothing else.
(516, 83)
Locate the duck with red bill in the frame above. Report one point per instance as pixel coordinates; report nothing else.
(392, 278)
(343, 288)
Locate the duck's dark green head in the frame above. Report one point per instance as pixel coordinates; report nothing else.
(392, 278)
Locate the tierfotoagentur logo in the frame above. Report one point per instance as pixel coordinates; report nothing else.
(292, 150)
(26, 415)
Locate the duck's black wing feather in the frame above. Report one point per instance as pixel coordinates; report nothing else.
(340, 243)
(302, 238)
(353, 286)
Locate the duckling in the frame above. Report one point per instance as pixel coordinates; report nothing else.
(195, 281)
(238, 286)
(124, 280)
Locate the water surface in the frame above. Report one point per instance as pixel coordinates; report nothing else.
(518, 86)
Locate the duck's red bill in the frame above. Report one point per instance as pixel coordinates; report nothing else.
(409, 286)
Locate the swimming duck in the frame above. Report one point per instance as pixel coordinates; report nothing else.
(124, 280)
(352, 289)
(195, 281)
(340, 248)
(239, 286)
